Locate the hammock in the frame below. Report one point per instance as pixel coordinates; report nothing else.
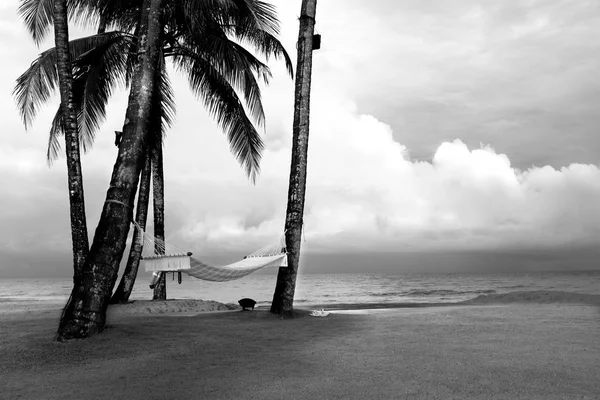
(158, 256)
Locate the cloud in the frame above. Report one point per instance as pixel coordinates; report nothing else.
(505, 73)
(435, 127)
(364, 192)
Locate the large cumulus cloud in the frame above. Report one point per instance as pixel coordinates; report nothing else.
(365, 192)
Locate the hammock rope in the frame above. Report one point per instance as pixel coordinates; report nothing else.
(159, 256)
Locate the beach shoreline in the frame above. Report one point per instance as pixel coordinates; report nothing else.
(514, 346)
(14, 309)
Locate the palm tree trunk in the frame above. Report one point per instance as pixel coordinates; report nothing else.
(125, 287)
(85, 315)
(283, 298)
(158, 189)
(79, 235)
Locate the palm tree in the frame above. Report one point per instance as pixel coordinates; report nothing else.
(158, 190)
(123, 291)
(62, 73)
(163, 104)
(283, 298)
(86, 314)
(202, 39)
(205, 47)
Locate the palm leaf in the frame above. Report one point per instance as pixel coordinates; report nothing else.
(163, 105)
(122, 14)
(56, 130)
(268, 45)
(255, 15)
(251, 22)
(257, 25)
(225, 106)
(167, 98)
(99, 70)
(200, 11)
(35, 86)
(38, 15)
(97, 73)
(93, 87)
(237, 65)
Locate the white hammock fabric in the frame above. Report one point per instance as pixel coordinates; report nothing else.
(159, 256)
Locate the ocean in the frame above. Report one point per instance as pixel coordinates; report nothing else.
(324, 289)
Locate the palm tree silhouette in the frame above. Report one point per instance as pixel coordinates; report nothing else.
(202, 39)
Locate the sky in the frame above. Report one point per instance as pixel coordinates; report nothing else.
(444, 136)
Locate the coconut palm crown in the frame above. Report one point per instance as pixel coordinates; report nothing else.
(204, 39)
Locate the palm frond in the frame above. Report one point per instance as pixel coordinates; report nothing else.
(86, 140)
(252, 22)
(269, 46)
(98, 72)
(199, 11)
(121, 14)
(225, 106)
(38, 15)
(255, 15)
(56, 131)
(35, 86)
(167, 98)
(237, 65)
(163, 106)
(259, 27)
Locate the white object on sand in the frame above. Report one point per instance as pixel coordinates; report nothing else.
(319, 313)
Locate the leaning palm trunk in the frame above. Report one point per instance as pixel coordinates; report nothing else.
(283, 298)
(158, 200)
(125, 287)
(75, 177)
(86, 314)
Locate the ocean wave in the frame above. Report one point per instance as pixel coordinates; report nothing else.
(7, 299)
(431, 292)
(447, 292)
(515, 286)
(268, 302)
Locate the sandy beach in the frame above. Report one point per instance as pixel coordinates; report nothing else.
(529, 345)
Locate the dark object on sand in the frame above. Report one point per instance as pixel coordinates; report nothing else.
(247, 303)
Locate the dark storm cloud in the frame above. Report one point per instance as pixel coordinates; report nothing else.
(520, 75)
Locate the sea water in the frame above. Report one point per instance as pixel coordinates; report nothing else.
(313, 289)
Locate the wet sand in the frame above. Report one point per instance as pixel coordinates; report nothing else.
(536, 345)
